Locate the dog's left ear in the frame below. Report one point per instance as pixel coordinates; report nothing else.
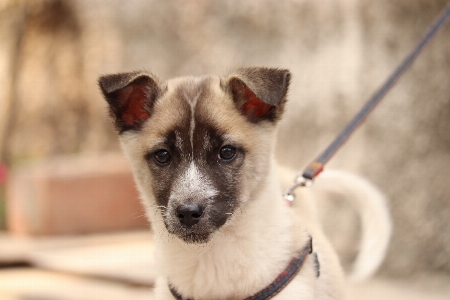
(260, 93)
(131, 97)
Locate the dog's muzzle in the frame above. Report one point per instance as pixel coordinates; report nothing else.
(195, 222)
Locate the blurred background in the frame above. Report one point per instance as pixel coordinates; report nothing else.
(65, 187)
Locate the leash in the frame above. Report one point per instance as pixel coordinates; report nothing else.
(306, 178)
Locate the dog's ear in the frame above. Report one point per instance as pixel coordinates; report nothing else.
(259, 93)
(130, 97)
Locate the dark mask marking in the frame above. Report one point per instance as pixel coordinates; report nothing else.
(200, 146)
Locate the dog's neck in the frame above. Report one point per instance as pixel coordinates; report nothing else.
(258, 240)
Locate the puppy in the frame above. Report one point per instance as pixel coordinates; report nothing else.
(202, 154)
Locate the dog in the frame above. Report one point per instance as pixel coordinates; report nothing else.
(202, 154)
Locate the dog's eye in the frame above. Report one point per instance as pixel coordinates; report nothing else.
(227, 152)
(161, 156)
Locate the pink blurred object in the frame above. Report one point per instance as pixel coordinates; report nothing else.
(70, 195)
(3, 173)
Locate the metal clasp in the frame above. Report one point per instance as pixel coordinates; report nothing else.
(299, 180)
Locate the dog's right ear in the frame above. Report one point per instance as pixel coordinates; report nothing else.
(259, 93)
(130, 97)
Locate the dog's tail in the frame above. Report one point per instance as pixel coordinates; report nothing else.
(371, 206)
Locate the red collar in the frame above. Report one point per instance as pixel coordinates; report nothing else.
(280, 282)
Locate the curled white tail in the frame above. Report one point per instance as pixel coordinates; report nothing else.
(371, 206)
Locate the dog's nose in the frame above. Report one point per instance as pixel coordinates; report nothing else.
(189, 214)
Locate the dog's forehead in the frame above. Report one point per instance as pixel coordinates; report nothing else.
(191, 86)
(189, 105)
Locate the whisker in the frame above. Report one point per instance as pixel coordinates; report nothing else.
(138, 216)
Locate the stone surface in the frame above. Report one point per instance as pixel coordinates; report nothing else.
(131, 262)
(35, 284)
(423, 288)
(120, 256)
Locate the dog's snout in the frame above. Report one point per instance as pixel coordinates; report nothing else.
(189, 214)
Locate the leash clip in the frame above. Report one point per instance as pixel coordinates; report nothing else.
(299, 180)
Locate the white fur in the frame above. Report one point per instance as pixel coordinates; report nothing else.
(366, 199)
(192, 183)
(192, 103)
(371, 205)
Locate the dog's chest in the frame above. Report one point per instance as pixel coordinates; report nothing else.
(213, 278)
(238, 267)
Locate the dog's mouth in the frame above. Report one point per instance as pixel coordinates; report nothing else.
(194, 226)
(192, 236)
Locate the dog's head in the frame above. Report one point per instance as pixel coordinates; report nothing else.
(199, 147)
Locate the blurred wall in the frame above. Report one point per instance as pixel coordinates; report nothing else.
(339, 52)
